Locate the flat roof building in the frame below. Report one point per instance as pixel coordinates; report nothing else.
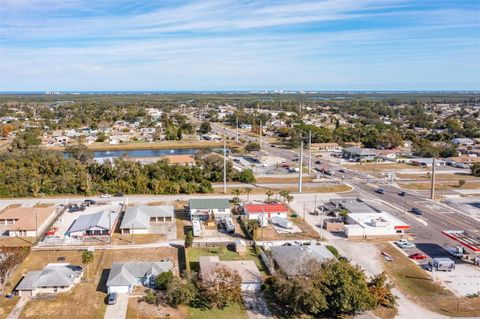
(374, 225)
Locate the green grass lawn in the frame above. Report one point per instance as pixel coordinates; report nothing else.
(193, 255)
(235, 311)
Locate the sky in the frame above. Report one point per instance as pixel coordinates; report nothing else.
(170, 45)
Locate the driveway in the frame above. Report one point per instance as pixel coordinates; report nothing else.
(15, 313)
(255, 305)
(118, 310)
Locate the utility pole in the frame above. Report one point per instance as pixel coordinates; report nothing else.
(261, 224)
(309, 152)
(237, 131)
(300, 171)
(260, 134)
(131, 242)
(432, 194)
(110, 226)
(224, 166)
(36, 224)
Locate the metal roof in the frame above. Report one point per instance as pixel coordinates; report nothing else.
(209, 203)
(98, 220)
(53, 275)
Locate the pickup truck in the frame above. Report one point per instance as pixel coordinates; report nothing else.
(405, 244)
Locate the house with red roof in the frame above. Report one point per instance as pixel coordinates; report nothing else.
(255, 211)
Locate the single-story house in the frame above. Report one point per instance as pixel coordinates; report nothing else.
(428, 162)
(325, 147)
(98, 224)
(182, 160)
(255, 211)
(462, 162)
(124, 276)
(247, 269)
(25, 221)
(203, 208)
(54, 278)
(292, 259)
(140, 218)
(463, 141)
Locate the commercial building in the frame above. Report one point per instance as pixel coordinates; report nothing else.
(25, 221)
(374, 225)
(359, 154)
(54, 278)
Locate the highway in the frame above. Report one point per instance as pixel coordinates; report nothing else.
(426, 229)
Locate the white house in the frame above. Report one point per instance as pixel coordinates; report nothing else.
(54, 278)
(255, 211)
(247, 269)
(203, 208)
(123, 277)
(141, 218)
(463, 141)
(98, 224)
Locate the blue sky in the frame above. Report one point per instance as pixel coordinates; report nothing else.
(239, 45)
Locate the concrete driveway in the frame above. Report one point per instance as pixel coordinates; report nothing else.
(118, 310)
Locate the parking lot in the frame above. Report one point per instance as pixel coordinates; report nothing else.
(66, 220)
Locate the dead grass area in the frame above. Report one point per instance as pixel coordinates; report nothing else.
(43, 205)
(6, 306)
(183, 223)
(440, 186)
(272, 179)
(16, 241)
(142, 310)
(125, 239)
(438, 177)
(418, 286)
(269, 233)
(378, 167)
(258, 190)
(385, 313)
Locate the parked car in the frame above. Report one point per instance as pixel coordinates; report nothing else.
(441, 264)
(76, 208)
(416, 211)
(112, 298)
(89, 202)
(342, 170)
(418, 256)
(118, 195)
(405, 244)
(318, 162)
(380, 191)
(105, 196)
(402, 194)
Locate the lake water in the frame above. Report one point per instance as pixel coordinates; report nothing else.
(146, 153)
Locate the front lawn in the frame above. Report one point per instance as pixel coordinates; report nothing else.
(6, 305)
(235, 311)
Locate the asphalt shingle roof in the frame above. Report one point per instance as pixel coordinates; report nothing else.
(291, 259)
(209, 203)
(139, 217)
(53, 275)
(124, 274)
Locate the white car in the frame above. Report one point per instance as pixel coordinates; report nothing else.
(405, 244)
(105, 196)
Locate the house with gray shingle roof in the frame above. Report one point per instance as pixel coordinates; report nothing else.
(54, 278)
(141, 218)
(97, 224)
(292, 259)
(203, 208)
(124, 276)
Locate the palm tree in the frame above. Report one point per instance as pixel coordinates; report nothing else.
(87, 258)
(269, 194)
(236, 192)
(287, 198)
(248, 190)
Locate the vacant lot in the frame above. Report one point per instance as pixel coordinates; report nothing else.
(125, 239)
(438, 177)
(142, 310)
(262, 190)
(379, 167)
(16, 241)
(292, 179)
(92, 292)
(417, 285)
(235, 311)
(439, 186)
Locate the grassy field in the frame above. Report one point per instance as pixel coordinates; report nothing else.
(438, 177)
(440, 185)
(147, 146)
(16, 241)
(235, 311)
(321, 188)
(125, 239)
(378, 167)
(92, 292)
(417, 285)
(193, 255)
(293, 179)
(141, 310)
(6, 305)
(269, 233)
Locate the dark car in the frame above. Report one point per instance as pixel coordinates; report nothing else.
(342, 170)
(89, 202)
(118, 195)
(380, 191)
(402, 194)
(112, 298)
(318, 162)
(416, 211)
(76, 208)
